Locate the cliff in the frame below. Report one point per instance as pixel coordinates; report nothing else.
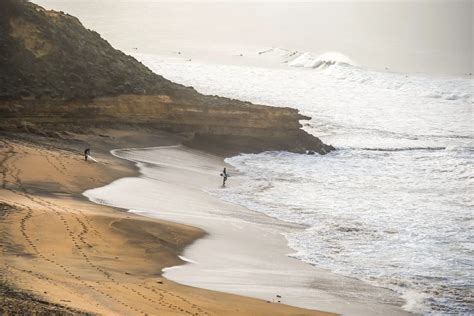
(57, 75)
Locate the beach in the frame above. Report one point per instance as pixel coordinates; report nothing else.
(75, 256)
(245, 252)
(350, 161)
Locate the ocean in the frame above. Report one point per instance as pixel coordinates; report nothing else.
(393, 206)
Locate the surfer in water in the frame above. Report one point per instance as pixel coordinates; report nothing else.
(87, 152)
(224, 176)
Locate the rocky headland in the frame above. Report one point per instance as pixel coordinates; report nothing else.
(57, 76)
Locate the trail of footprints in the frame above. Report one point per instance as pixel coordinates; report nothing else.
(160, 293)
(15, 175)
(110, 278)
(85, 228)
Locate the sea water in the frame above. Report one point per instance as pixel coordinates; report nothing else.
(393, 205)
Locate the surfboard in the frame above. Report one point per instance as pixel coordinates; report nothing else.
(90, 157)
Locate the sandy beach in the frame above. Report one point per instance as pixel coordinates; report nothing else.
(74, 256)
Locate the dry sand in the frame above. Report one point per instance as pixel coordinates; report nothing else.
(63, 249)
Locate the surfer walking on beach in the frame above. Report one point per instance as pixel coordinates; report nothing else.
(87, 152)
(224, 175)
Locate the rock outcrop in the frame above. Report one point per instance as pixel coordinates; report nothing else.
(56, 74)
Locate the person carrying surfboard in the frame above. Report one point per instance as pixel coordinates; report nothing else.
(224, 175)
(87, 152)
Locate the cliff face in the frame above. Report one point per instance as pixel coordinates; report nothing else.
(57, 74)
(50, 54)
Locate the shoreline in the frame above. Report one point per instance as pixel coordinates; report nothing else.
(63, 249)
(182, 169)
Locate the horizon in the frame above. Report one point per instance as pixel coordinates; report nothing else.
(433, 37)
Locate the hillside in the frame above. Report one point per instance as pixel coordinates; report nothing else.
(56, 74)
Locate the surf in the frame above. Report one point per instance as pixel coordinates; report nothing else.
(401, 172)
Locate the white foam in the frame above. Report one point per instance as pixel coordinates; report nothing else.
(415, 301)
(309, 60)
(167, 269)
(187, 260)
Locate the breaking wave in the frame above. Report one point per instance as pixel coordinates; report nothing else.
(306, 59)
(343, 68)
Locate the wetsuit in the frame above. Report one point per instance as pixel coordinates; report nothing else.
(87, 152)
(224, 175)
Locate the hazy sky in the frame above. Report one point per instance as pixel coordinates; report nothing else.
(413, 36)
